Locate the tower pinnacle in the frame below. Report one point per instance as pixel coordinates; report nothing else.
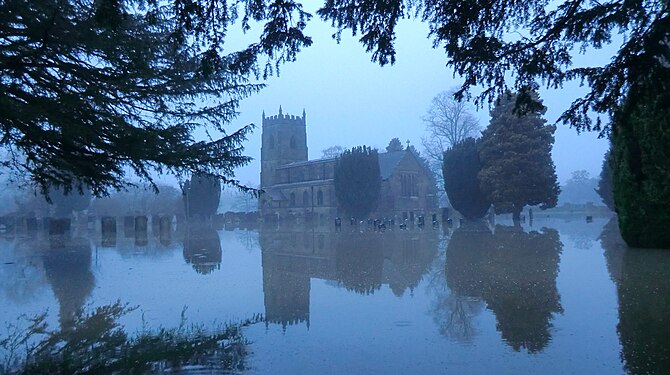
(280, 111)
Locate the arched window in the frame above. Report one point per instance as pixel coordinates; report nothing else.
(319, 198)
(292, 142)
(292, 199)
(305, 198)
(271, 142)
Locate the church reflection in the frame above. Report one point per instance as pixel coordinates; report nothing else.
(514, 273)
(359, 262)
(642, 278)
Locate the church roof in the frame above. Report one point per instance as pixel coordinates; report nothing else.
(308, 162)
(388, 161)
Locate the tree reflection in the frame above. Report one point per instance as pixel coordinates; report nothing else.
(67, 264)
(642, 278)
(202, 248)
(360, 261)
(514, 273)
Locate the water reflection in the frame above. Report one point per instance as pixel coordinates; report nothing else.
(202, 248)
(514, 273)
(359, 262)
(642, 278)
(67, 265)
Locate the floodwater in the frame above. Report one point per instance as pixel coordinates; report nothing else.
(560, 296)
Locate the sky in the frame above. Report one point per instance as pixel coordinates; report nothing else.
(350, 100)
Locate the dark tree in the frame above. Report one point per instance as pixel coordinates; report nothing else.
(201, 196)
(605, 188)
(515, 153)
(358, 181)
(460, 169)
(641, 161)
(394, 145)
(90, 90)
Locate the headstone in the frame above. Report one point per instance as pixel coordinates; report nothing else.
(108, 231)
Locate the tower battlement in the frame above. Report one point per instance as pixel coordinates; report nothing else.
(284, 141)
(282, 119)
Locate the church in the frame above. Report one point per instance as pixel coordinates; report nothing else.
(295, 187)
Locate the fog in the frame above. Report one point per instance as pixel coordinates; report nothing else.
(350, 100)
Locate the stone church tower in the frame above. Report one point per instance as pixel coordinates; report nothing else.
(284, 141)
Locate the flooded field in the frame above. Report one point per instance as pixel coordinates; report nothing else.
(560, 296)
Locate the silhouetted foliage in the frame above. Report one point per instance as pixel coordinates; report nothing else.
(476, 41)
(515, 152)
(394, 145)
(641, 161)
(460, 169)
(514, 272)
(96, 343)
(358, 181)
(90, 90)
(605, 186)
(201, 195)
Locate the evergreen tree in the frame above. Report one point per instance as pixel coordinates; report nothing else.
(358, 181)
(90, 90)
(202, 195)
(605, 188)
(394, 145)
(460, 169)
(515, 152)
(641, 164)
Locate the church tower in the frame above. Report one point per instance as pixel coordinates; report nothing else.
(284, 141)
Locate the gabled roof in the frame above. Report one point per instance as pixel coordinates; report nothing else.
(388, 161)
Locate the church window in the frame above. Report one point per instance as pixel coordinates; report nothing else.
(292, 199)
(305, 198)
(319, 198)
(408, 185)
(292, 142)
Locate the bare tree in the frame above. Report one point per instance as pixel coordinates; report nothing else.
(448, 121)
(332, 152)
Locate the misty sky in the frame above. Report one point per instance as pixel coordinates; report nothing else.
(352, 101)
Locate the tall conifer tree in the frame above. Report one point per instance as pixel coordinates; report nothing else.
(358, 181)
(517, 169)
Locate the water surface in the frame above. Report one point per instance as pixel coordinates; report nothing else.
(560, 296)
